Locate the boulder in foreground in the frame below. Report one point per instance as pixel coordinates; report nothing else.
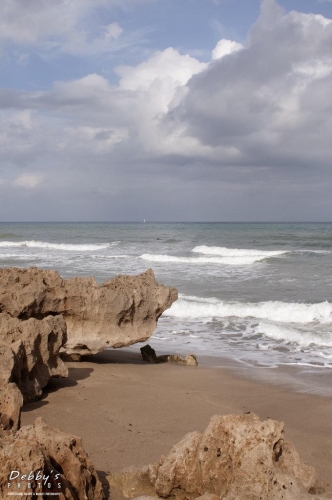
(43, 460)
(237, 457)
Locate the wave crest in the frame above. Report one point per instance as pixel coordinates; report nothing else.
(241, 260)
(55, 246)
(284, 312)
(238, 252)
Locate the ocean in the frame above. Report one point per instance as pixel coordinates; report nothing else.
(259, 294)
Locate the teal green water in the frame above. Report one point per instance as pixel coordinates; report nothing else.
(257, 293)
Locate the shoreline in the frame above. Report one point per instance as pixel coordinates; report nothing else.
(296, 378)
(129, 413)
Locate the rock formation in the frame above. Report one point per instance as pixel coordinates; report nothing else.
(29, 352)
(11, 400)
(237, 457)
(39, 314)
(41, 459)
(189, 360)
(150, 355)
(118, 313)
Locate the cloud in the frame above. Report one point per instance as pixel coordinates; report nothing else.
(269, 101)
(166, 66)
(113, 31)
(29, 180)
(225, 47)
(29, 22)
(176, 138)
(69, 26)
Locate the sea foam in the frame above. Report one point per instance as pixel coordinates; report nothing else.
(277, 311)
(55, 246)
(288, 334)
(238, 252)
(241, 260)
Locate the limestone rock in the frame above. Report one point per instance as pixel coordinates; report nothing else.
(133, 482)
(237, 457)
(11, 400)
(208, 496)
(118, 313)
(48, 452)
(146, 497)
(29, 352)
(189, 360)
(150, 355)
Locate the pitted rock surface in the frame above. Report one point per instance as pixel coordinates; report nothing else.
(58, 457)
(237, 457)
(117, 313)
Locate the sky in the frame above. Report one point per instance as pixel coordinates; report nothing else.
(166, 110)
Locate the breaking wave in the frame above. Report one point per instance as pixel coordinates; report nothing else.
(238, 252)
(230, 261)
(55, 246)
(284, 312)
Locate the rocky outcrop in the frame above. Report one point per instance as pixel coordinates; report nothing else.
(39, 314)
(41, 459)
(29, 352)
(237, 457)
(150, 355)
(117, 313)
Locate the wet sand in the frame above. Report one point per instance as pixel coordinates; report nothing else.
(129, 412)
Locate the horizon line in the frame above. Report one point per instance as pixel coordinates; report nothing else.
(162, 222)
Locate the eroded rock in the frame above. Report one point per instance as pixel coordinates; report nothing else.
(43, 451)
(117, 313)
(237, 457)
(189, 360)
(150, 355)
(29, 352)
(11, 400)
(133, 482)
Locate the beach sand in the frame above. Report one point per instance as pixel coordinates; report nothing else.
(129, 412)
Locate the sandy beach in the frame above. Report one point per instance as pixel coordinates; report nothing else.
(129, 412)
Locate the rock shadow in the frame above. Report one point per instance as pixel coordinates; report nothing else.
(105, 484)
(55, 384)
(113, 356)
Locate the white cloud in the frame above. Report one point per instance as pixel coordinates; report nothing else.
(225, 47)
(64, 25)
(168, 66)
(29, 22)
(85, 88)
(29, 180)
(113, 31)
